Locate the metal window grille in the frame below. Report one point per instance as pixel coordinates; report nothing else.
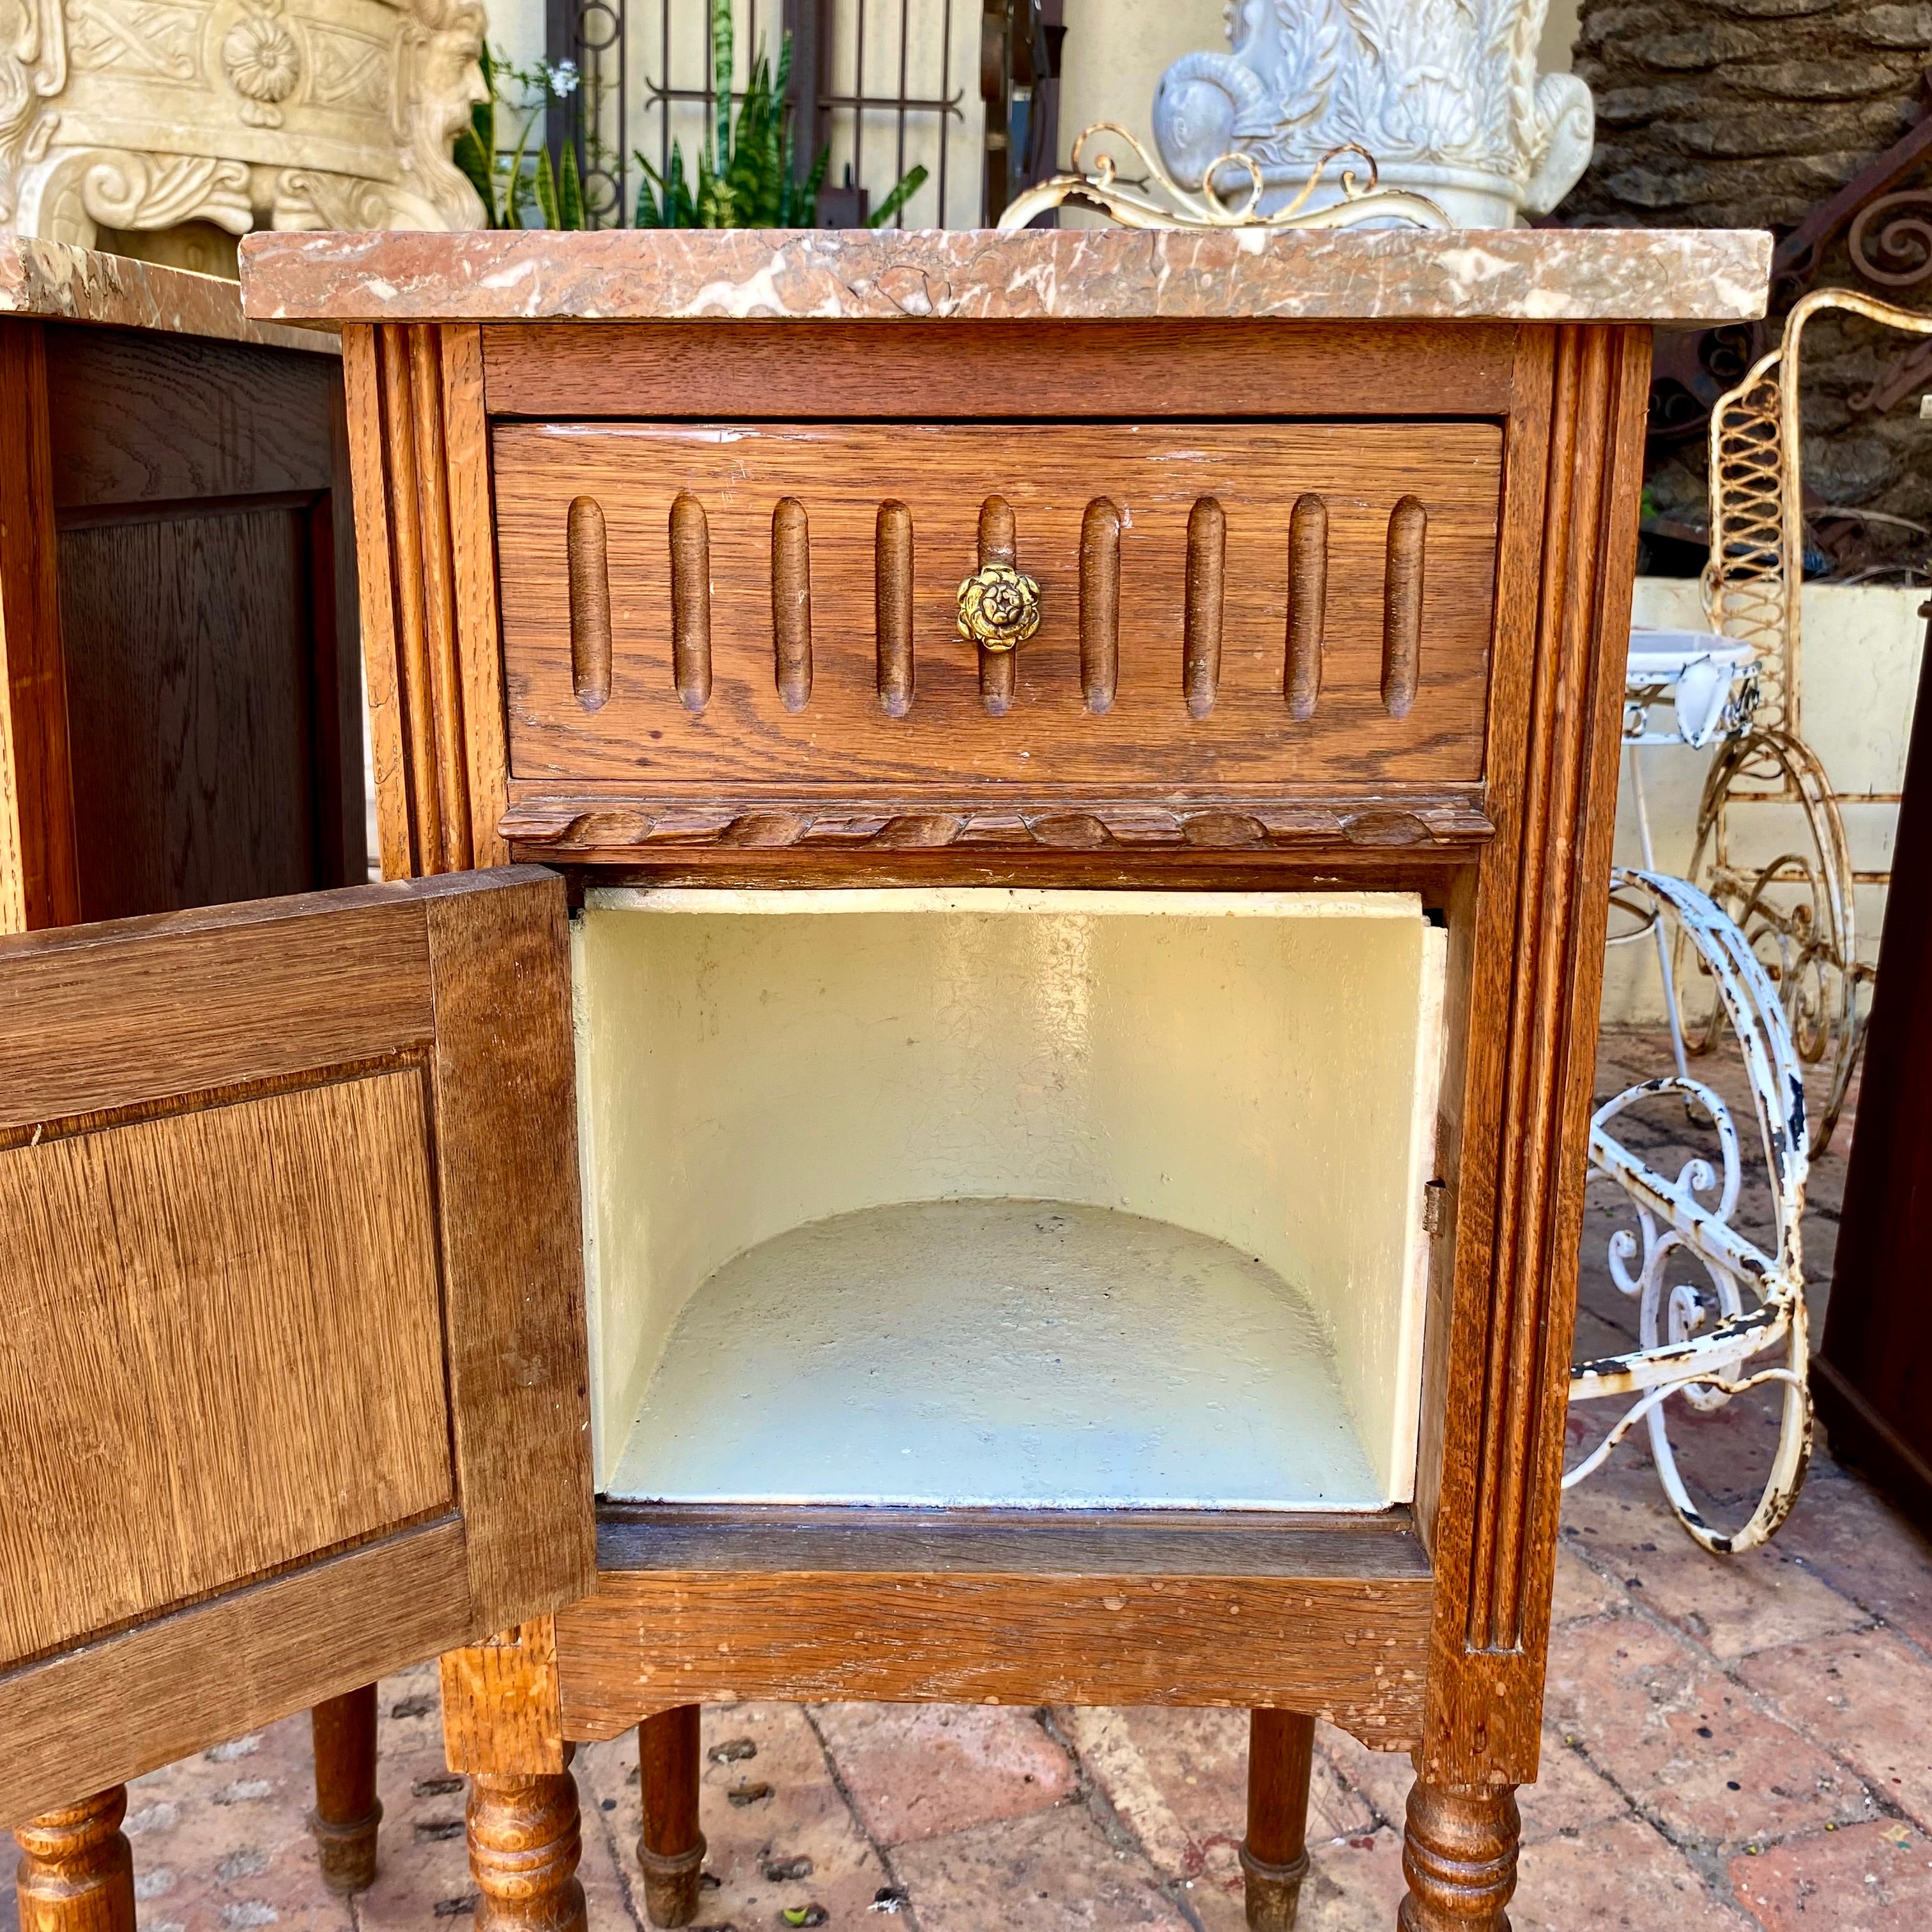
(882, 85)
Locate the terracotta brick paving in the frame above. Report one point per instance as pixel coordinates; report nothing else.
(1730, 1744)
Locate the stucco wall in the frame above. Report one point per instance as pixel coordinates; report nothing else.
(1860, 659)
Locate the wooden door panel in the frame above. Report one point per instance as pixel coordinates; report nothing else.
(624, 731)
(243, 1301)
(288, 1197)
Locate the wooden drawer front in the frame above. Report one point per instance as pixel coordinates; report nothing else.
(594, 700)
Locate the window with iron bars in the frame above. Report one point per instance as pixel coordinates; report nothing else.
(968, 89)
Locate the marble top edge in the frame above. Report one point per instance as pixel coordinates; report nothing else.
(54, 282)
(1611, 274)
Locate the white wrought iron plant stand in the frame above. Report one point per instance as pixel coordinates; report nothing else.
(1717, 1314)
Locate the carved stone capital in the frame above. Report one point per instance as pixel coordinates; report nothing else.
(1444, 93)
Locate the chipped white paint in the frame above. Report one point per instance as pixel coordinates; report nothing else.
(1732, 1301)
(1252, 1069)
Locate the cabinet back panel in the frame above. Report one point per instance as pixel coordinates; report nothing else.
(223, 1351)
(629, 727)
(192, 704)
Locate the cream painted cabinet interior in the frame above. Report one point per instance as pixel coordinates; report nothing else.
(976, 1196)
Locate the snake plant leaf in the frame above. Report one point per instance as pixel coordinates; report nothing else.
(908, 185)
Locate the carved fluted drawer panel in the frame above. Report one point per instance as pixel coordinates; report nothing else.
(1238, 608)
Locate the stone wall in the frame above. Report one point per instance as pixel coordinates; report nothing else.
(1747, 113)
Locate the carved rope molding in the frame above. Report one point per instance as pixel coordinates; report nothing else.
(564, 828)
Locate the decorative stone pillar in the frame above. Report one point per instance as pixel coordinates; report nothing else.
(131, 122)
(1444, 93)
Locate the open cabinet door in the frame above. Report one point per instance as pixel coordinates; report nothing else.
(293, 1369)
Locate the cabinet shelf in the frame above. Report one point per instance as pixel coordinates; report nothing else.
(997, 1353)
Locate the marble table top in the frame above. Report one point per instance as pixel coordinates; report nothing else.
(54, 283)
(1611, 274)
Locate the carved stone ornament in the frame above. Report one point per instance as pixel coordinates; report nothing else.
(1444, 93)
(143, 116)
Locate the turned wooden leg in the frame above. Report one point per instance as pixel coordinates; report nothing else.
(346, 1809)
(671, 1849)
(524, 1843)
(1274, 1855)
(1459, 1858)
(76, 1870)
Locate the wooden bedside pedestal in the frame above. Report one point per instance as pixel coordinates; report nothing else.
(1071, 1154)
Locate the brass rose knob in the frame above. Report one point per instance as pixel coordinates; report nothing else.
(999, 607)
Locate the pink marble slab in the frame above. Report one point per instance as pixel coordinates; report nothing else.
(1620, 275)
(57, 284)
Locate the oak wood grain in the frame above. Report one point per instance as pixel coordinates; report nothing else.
(895, 560)
(1204, 600)
(40, 881)
(415, 601)
(104, 1017)
(831, 1538)
(526, 1838)
(1061, 370)
(1352, 1651)
(192, 691)
(1100, 604)
(436, 557)
(76, 1869)
(225, 1351)
(1535, 967)
(89, 1719)
(501, 1712)
(1307, 605)
(791, 603)
(643, 740)
(473, 576)
(144, 417)
(383, 670)
(316, 1145)
(589, 603)
(506, 1146)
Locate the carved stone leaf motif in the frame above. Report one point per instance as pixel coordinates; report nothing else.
(131, 190)
(404, 82)
(262, 61)
(306, 199)
(143, 38)
(348, 70)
